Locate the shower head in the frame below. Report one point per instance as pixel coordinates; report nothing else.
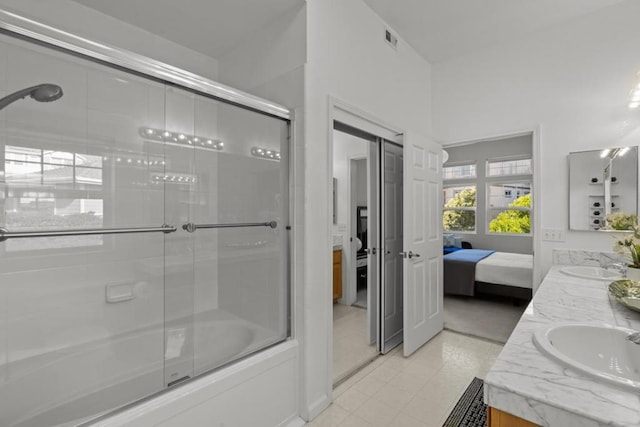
(45, 92)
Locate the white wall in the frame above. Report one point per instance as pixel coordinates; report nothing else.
(349, 60)
(571, 80)
(270, 63)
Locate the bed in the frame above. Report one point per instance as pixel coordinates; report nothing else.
(471, 271)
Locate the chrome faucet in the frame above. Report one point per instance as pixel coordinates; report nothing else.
(634, 338)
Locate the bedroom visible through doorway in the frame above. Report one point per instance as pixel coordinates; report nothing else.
(488, 220)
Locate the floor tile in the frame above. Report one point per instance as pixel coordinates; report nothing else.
(377, 413)
(416, 391)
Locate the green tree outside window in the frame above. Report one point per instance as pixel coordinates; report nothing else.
(513, 221)
(459, 220)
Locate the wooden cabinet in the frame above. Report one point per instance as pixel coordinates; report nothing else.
(497, 418)
(337, 274)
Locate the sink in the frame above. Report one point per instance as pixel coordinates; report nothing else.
(594, 273)
(603, 352)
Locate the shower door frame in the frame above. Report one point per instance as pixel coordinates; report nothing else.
(17, 26)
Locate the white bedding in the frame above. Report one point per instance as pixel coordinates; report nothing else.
(505, 268)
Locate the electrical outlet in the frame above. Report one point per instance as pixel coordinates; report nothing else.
(552, 235)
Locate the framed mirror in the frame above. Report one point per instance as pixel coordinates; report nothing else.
(602, 182)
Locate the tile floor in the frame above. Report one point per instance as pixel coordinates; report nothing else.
(351, 348)
(418, 391)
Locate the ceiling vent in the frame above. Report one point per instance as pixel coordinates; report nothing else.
(391, 39)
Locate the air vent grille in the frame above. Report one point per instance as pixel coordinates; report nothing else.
(390, 38)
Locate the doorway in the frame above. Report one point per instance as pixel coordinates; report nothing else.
(368, 317)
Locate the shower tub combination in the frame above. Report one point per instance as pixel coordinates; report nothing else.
(143, 240)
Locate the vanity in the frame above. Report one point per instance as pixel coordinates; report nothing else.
(527, 387)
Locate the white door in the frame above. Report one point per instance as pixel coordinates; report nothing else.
(422, 252)
(391, 295)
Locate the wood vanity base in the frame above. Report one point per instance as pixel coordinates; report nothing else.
(497, 418)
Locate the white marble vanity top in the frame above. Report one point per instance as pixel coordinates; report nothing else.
(528, 384)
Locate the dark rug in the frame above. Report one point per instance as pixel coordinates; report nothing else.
(470, 411)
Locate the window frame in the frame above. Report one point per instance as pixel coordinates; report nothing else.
(453, 183)
(527, 179)
(465, 178)
(507, 159)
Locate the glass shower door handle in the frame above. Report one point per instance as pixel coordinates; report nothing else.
(191, 227)
(6, 234)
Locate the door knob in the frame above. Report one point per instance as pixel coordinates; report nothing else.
(409, 255)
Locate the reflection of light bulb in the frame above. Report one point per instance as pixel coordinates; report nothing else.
(149, 131)
(220, 144)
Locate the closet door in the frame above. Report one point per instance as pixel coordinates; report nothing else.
(391, 302)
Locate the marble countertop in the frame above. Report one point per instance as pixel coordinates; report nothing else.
(526, 383)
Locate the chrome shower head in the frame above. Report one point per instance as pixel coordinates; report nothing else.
(46, 92)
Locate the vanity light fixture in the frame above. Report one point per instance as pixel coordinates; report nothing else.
(181, 139)
(265, 153)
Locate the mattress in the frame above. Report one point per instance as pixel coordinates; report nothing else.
(505, 268)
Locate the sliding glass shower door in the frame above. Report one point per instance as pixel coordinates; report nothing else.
(143, 235)
(226, 187)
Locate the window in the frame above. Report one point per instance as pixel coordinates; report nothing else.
(509, 167)
(465, 171)
(509, 207)
(459, 211)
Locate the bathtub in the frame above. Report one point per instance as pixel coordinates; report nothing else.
(104, 375)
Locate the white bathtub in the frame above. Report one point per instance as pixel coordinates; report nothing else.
(66, 386)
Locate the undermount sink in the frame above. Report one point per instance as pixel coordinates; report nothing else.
(588, 272)
(604, 352)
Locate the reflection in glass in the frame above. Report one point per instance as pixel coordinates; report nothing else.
(602, 182)
(95, 322)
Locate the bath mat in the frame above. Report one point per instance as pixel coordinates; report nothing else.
(470, 411)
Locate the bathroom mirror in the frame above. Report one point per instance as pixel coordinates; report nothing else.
(602, 182)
